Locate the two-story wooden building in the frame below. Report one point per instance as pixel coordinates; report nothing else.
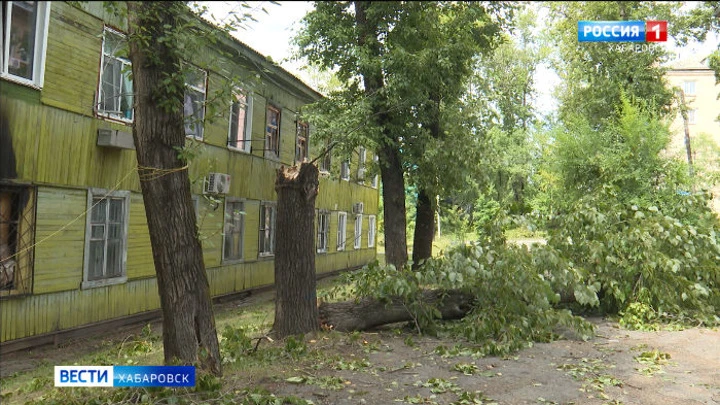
(74, 243)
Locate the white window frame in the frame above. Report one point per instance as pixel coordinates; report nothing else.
(692, 116)
(262, 251)
(345, 170)
(374, 183)
(362, 155)
(323, 231)
(357, 242)
(270, 150)
(234, 200)
(125, 62)
(42, 21)
(122, 278)
(341, 231)
(247, 136)
(371, 230)
(305, 138)
(199, 130)
(689, 88)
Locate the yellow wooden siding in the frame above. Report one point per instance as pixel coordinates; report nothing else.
(252, 230)
(55, 144)
(139, 251)
(59, 259)
(24, 121)
(43, 313)
(72, 63)
(210, 225)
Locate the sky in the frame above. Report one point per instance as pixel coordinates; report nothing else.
(271, 34)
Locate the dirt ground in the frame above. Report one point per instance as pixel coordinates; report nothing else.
(683, 367)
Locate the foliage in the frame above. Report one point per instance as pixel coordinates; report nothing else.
(594, 75)
(513, 304)
(665, 258)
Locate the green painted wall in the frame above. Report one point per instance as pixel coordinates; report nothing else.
(54, 134)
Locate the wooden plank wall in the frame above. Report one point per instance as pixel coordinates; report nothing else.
(54, 134)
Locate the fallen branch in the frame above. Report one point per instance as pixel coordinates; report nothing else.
(369, 313)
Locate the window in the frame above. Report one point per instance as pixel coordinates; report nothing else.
(345, 170)
(371, 231)
(692, 116)
(376, 177)
(358, 231)
(194, 107)
(17, 208)
(341, 234)
(272, 133)
(362, 154)
(267, 229)
(106, 238)
(234, 227)
(240, 122)
(323, 231)
(301, 144)
(689, 88)
(24, 36)
(325, 162)
(115, 92)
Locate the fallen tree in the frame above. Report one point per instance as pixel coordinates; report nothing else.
(368, 313)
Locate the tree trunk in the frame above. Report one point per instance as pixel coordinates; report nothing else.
(189, 334)
(424, 215)
(296, 309)
(424, 229)
(393, 207)
(369, 313)
(391, 170)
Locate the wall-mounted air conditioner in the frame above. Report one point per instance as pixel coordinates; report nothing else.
(217, 183)
(358, 208)
(112, 138)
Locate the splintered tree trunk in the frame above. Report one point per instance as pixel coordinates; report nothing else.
(424, 229)
(296, 309)
(369, 313)
(189, 334)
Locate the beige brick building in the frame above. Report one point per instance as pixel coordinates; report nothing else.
(697, 80)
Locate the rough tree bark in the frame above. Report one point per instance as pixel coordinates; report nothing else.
(189, 335)
(391, 171)
(424, 229)
(424, 214)
(296, 308)
(368, 313)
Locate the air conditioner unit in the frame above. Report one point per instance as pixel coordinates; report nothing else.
(358, 208)
(217, 183)
(113, 138)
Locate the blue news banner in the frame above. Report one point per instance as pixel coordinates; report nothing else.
(124, 376)
(611, 31)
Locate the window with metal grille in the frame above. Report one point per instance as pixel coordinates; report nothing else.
(17, 236)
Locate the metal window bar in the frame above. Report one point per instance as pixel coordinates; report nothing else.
(16, 235)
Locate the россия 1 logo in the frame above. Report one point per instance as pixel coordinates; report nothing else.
(622, 31)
